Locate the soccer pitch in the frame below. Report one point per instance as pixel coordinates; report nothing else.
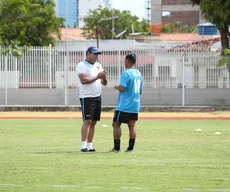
(43, 155)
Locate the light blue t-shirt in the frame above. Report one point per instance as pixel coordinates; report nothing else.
(129, 100)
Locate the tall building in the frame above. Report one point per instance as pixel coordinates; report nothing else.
(167, 11)
(108, 4)
(77, 9)
(61, 11)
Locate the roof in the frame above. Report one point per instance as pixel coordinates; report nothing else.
(201, 46)
(178, 37)
(198, 46)
(187, 37)
(73, 34)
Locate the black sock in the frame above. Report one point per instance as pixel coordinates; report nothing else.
(117, 144)
(131, 144)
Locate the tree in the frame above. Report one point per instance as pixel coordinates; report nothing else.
(218, 13)
(175, 27)
(12, 48)
(29, 22)
(225, 60)
(99, 22)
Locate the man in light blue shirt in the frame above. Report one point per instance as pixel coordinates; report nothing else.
(128, 104)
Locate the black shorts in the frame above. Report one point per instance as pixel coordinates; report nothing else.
(91, 108)
(123, 117)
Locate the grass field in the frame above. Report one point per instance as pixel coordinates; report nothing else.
(43, 155)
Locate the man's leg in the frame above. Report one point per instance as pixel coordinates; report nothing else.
(132, 134)
(116, 135)
(96, 111)
(85, 132)
(91, 135)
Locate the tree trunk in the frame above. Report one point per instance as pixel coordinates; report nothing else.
(224, 38)
(224, 33)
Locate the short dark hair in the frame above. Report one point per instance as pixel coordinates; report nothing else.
(131, 57)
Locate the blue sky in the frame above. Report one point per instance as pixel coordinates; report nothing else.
(137, 7)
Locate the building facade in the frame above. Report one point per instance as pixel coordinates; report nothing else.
(72, 16)
(78, 9)
(168, 11)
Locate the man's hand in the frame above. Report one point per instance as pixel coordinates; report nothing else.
(102, 75)
(104, 80)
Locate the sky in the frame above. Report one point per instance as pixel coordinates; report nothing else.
(137, 7)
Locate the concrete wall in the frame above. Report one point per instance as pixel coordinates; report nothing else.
(156, 11)
(150, 97)
(9, 77)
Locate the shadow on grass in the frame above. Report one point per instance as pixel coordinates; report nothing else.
(68, 152)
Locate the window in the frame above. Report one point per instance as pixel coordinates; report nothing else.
(166, 13)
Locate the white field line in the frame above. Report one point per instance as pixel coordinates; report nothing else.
(36, 125)
(207, 190)
(72, 186)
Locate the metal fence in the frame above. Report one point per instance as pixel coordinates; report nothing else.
(181, 75)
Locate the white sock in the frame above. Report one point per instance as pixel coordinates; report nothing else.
(83, 144)
(89, 145)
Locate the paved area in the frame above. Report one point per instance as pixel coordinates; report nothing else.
(109, 115)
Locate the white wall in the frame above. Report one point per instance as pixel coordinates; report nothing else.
(9, 79)
(60, 79)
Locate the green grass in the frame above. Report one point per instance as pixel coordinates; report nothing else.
(43, 155)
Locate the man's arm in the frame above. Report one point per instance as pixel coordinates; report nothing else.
(119, 88)
(85, 79)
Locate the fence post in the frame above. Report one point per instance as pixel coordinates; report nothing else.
(16, 69)
(66, 79)
(183, 84)
(50, 65)
(6, 82)
(119, 57)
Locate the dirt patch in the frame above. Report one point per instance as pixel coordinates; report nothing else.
(109, 115)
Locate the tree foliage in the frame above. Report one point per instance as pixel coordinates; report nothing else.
(225, 60)
(101, 19)
(218, 13)
(29, 22)
(12, 48)
(175, 27)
